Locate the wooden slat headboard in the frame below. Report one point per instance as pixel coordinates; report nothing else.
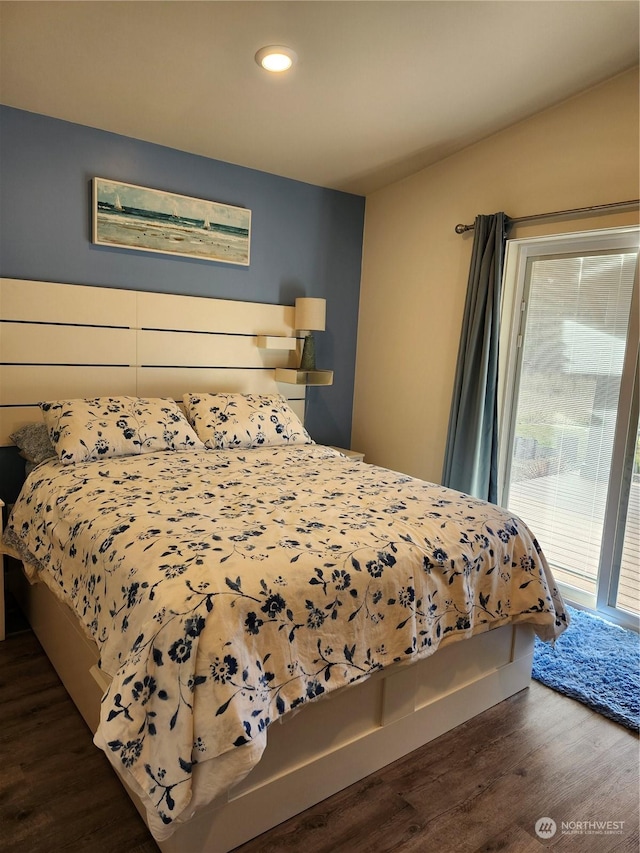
(62, 341)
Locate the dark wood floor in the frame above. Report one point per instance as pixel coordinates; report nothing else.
(479, 788)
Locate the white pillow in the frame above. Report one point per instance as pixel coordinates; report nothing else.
(225, 421)
(103, 427)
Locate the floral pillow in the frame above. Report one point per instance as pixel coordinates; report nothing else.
(102, 427)
(225, 421)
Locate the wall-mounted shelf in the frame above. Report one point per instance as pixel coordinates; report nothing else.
(276, 342)
(294, 376)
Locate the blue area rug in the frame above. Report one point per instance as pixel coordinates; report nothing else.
(596, 663)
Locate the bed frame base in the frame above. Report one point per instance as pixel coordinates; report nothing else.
(277, 799)
(326, 746)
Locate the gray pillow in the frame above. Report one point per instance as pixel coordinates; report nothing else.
(33, 442)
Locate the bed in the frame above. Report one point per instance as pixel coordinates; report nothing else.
(256, 620)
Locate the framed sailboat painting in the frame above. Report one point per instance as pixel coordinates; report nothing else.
(131, 217)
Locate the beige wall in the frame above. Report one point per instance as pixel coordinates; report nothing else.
(583, 152)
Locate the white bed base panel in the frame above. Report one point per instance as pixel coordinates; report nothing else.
(325, 746)
(62, 341)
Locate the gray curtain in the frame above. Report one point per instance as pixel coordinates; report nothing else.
(471, 455)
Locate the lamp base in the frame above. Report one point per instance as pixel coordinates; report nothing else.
(308, 360)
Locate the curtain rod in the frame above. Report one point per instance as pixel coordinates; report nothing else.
(460, 229)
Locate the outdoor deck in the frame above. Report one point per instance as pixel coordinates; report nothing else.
(558, 510)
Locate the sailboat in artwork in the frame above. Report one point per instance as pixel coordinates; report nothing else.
(118, 205)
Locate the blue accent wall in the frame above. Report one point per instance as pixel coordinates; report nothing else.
(305, 241)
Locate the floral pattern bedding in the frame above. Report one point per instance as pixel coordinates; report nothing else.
(226, 588)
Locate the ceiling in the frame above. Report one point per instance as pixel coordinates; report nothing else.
(380, 90)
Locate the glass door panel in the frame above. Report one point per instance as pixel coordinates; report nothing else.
(575, 320)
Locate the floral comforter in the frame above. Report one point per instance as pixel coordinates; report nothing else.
(225, 588)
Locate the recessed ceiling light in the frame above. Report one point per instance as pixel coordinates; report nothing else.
(276, 57)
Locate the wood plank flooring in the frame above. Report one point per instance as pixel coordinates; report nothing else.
(478, 789)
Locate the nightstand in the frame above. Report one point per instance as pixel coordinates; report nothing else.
(356, 455)
(2, 629)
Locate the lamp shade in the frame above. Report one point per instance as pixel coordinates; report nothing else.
(311, 313)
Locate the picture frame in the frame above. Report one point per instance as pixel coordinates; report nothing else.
(127, 216)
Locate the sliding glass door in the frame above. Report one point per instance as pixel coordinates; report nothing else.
(569, 425)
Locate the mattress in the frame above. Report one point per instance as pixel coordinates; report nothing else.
(226, 589)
